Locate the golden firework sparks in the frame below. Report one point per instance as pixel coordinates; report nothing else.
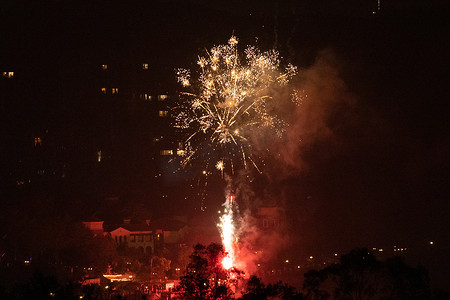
(228, 101)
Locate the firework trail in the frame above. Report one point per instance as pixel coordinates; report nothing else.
(227, 232)
(229, 100)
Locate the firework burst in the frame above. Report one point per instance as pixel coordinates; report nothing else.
(229, 100)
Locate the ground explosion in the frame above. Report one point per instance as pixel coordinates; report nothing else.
(220, 111)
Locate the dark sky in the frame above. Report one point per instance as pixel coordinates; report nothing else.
(366, 160)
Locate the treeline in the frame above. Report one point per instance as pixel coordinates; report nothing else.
(358, 275)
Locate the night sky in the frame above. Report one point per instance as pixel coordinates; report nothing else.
(365, 161)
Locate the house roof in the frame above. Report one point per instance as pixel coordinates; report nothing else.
(129, 227)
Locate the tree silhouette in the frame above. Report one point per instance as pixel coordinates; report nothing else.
(256, 290)
(359, 275)
(205, 277)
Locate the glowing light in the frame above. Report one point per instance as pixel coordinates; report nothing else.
(227, 262)
(226, 228)
(230, 99)
(219, 165)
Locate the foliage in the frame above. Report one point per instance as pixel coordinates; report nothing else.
(359, 275)
(159, 267)
(205, 277)
(256, 290)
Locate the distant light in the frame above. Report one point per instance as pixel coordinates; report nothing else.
(298, 267)
(163, 113)
(8, 74)
(166, 152)
(286, 261)
(335, 254)
(431, 243)
(380, 250)
(162, 97)
(311, 257)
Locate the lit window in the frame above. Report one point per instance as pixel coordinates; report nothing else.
(8, 74)
(145, 66)
(37, 141)
(166, 152)
(145, 96)
(115, 90)
(103, 91)
(104, 67)
(162, 97)
(163, 113)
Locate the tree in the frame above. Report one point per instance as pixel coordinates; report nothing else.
(205, 277)
(256, 290)
(356, 275)
(159, 267)
(406, 282)
(359, 275)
